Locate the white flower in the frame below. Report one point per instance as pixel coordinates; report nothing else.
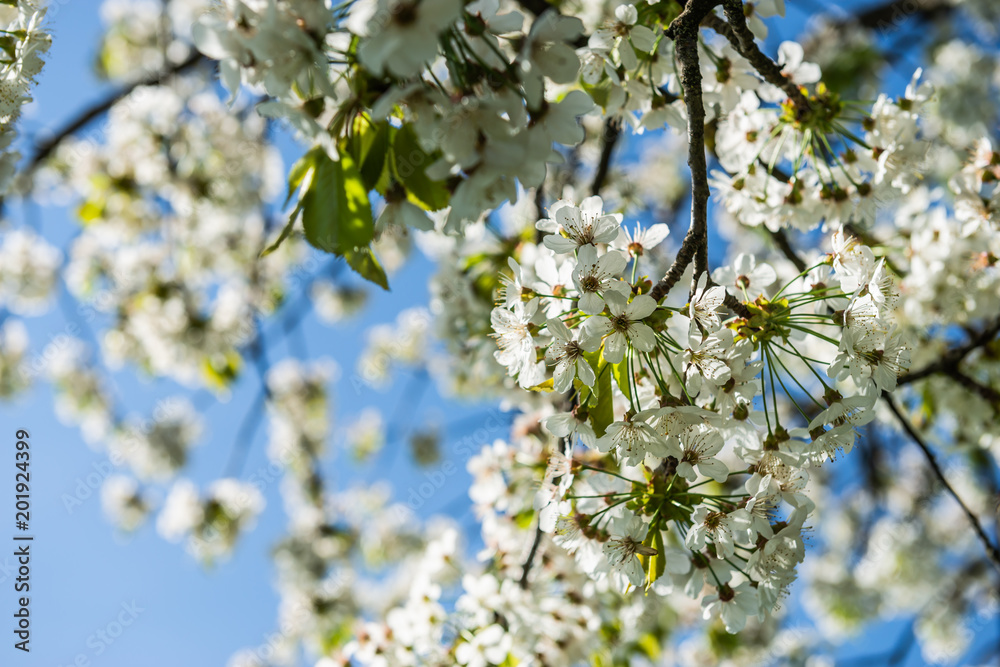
(706, 359)
(567, 424)
(633, 438)
(863, 318)
(637, 242)
(791, 57)
(733, 605)
(566, 353)
(555, 277)
(714, 526)
(399, 35)
(595, 276)
(891, 361)
(517, 347)
(512, 285)
(700, 444)
(548, 52)
(583, 225)
(623, 327)
(488, 646)
(864, 356)
(624, 547)
(882, 287)
(705, 305)
(745, 275)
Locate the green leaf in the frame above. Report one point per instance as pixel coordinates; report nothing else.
(285, 233)
(336, 213)
(600, 92)
(90, 210)
(602, 413)
(656, 563)
(220, 371)
(524, 518)
(372, 146)
(303, 166)
(409, 167)
(548, 386)
(650, 645)
(365, 264)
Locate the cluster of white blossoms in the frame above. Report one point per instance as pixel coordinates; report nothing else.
(157, 449)
(30, 272)
(388, 345)
(675, 444)
(13, 353)
(680, 398)
(23, 41)
(483, 93)
(123, 502)
(169, 250)
(834, 175)
(212, 522)
(300, 415)
(82, 395)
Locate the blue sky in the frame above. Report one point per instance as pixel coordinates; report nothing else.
(85, 578)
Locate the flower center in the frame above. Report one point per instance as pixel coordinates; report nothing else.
(621, 323)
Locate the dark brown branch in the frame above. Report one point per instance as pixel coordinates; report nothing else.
(782, 243)
(986, 392)
(892, 14)
(991, 549)
(530, 560)
(44, 149)
(736, 306)
(684, 31)
(609, 137)
(739, 35)
(950, 360)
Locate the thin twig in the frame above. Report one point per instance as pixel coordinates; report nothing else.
(739, 35)
(245, 435)
(784, 245)
(529, 561)
(991, 549)
(684, 31)
(44, 149)
(253, 418)
(950, 360)
(610, 136)
(986, 392)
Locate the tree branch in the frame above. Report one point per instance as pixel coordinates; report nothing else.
(684, 31)
(991, 549)
(782, 243)
(252, 419)
(986, 392)
(950, 360)
(739, 35)
(889, 14)
(526, 568)
(612, 132)
(44, 149)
